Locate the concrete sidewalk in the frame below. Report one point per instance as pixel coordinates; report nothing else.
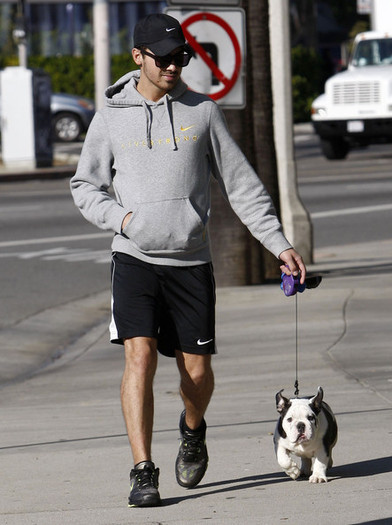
(65, 160)
(64, 453)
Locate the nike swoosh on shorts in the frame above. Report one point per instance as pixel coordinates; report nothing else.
(200, 343)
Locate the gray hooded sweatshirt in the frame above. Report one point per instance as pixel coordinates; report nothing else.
(159, 158)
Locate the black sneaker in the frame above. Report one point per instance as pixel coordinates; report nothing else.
(144, 486)
(192, 459)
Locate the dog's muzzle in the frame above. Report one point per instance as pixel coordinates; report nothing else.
(301, 437)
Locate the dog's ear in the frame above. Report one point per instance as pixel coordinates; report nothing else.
(316, 401)
(282, 402)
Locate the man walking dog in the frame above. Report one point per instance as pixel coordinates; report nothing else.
(158, 144)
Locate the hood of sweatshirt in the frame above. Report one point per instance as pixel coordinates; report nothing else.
(124, 93)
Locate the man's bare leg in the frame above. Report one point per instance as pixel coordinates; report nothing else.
(137, 398)
(197, 386)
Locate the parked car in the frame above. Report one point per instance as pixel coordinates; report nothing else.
(71, 116)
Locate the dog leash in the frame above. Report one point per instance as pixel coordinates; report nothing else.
(296, 384)
(291, 285)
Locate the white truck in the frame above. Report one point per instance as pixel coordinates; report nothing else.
(356, 108)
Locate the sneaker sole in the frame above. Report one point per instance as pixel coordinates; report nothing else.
(146, 504)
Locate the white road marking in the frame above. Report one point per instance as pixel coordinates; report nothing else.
(64, 254)
(50, 240)
(20, 209)
(351, 211)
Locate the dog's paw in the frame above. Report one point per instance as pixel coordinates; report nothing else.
(318, 478)
(293, 471)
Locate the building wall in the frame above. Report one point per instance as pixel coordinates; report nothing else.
(66, 28)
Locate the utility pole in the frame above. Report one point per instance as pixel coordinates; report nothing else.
(101, 50)
(20, 33)
(295, 219)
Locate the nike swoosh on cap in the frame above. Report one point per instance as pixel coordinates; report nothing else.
(170, 29)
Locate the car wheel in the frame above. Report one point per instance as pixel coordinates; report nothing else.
(67, 127)
(335, 149)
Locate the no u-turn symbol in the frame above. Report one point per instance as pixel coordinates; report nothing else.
(218, 40)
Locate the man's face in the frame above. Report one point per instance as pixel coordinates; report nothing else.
(154, 78)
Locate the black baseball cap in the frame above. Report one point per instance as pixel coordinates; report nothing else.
(159, 32)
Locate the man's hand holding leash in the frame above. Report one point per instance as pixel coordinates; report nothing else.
(293, 264)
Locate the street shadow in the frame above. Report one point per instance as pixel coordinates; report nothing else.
(383, 521)
(370, 467)
(235, 485)
(351, 470)
(371, 267)
(306, 150)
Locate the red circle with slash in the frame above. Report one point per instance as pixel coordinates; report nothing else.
(227, 82)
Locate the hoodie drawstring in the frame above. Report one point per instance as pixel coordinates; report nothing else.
(147, 111)
(168, 111)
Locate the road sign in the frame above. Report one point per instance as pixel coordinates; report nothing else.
(218, 38)
(364, 7)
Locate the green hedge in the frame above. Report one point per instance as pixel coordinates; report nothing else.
(308, 77)
(71, 74)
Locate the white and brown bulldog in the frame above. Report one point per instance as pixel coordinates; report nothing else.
(306, 428)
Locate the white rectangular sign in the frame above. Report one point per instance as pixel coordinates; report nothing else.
(217, 37)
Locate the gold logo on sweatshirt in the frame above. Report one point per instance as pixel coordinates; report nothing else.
(159, 142)
(186, 129)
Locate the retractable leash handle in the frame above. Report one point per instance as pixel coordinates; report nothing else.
(291, 284)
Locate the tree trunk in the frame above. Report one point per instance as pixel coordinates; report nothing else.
(240, 259)
(261, 106)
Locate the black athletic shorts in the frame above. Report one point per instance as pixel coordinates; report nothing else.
(175, 305)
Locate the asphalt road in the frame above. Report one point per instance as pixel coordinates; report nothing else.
(349, 201)
(49, 255)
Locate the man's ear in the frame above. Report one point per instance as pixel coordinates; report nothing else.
(137, 56)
